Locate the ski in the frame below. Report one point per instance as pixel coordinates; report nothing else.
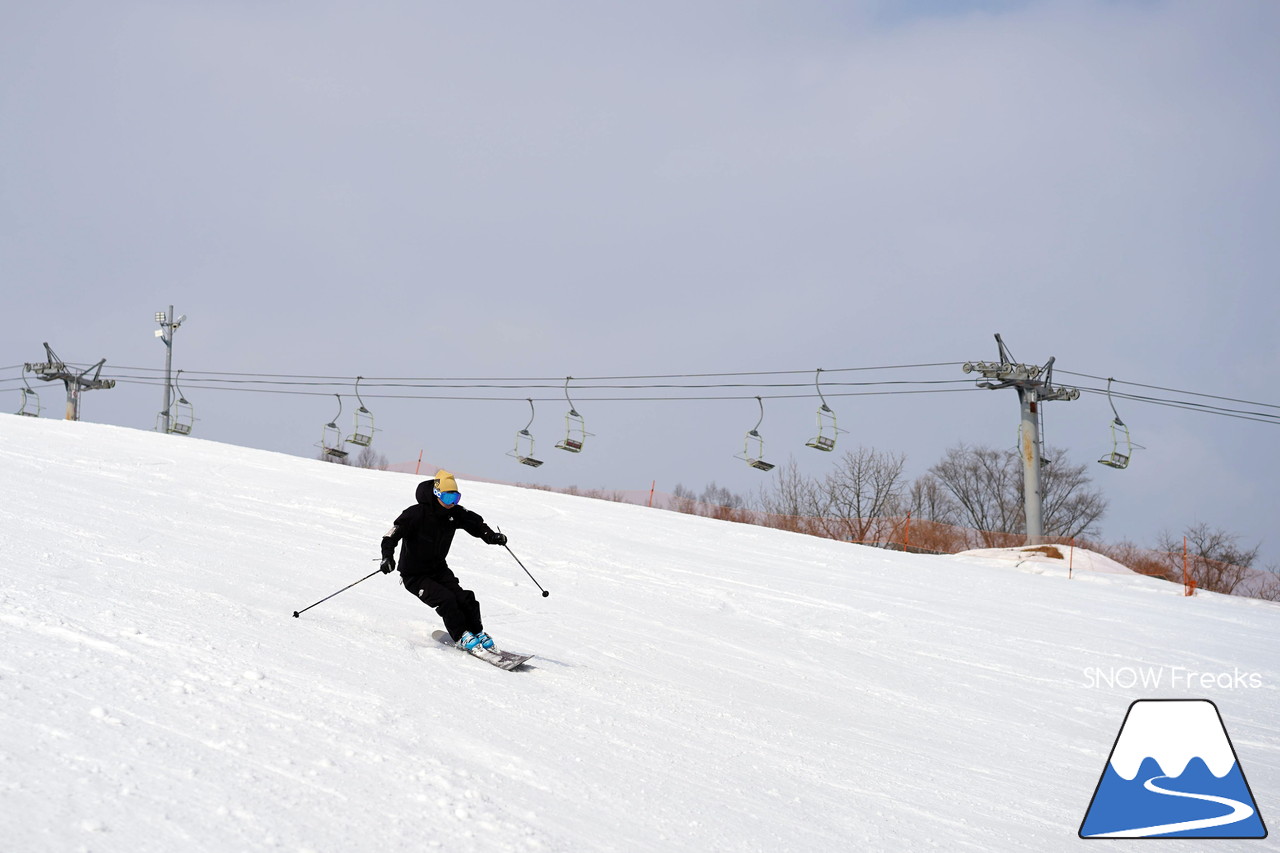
(500, 659)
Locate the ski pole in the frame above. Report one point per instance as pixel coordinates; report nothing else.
(297, 613)
(526, 571)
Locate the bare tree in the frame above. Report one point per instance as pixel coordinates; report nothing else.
(987, 486)
(370, 458)
(929, 500)
(1268, 587)
(793, 501)
(1214, 559)
(719, 496)
(714, 502)
(683, 500)
(791, 493)
(719, 502)
(1070, 508)
(864, 488)
(852, 502)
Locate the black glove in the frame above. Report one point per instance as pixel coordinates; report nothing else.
(388, 565)
(492, 538)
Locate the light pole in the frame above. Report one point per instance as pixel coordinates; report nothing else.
(168, 326)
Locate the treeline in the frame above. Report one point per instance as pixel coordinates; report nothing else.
(973, 498)
(976, 487)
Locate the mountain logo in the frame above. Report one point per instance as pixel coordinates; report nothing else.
(1173, 773)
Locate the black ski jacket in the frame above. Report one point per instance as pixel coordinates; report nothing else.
(425, 531)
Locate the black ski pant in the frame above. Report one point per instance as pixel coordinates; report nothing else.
(457, 606)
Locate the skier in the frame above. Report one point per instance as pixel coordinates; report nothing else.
(426, 530)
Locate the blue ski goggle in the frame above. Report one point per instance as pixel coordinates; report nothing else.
(448, 498)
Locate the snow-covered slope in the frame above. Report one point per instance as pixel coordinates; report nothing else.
(698, 685)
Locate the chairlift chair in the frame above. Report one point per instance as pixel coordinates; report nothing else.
(362, 435)
(575, 433)
(30, 399)
(331, 441)
(30, 404)
(827, 428)
(182, 415)
(523, 452)
(1120, 438)
(754, 440)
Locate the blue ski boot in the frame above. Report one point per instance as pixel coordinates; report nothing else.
(468, 642)
(486, 642)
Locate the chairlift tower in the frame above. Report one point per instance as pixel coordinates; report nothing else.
(1034, 385)
(75, 382)
(168, 326)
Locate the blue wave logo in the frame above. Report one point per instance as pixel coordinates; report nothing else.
(1173, 773)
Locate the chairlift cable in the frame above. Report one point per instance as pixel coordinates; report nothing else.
(345, 379)
(214, 380)
(1177, 391)
(1204, 408)
(615, 399)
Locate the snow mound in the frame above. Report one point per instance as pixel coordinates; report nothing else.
(1067, 557)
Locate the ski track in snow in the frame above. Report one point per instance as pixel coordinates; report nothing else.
(697, 685)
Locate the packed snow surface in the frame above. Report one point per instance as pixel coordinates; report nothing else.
(697, 686)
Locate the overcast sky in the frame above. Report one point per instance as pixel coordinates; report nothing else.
(545, 189)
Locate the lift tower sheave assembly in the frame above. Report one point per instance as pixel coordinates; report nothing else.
(1034, 385)
(75, 381)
